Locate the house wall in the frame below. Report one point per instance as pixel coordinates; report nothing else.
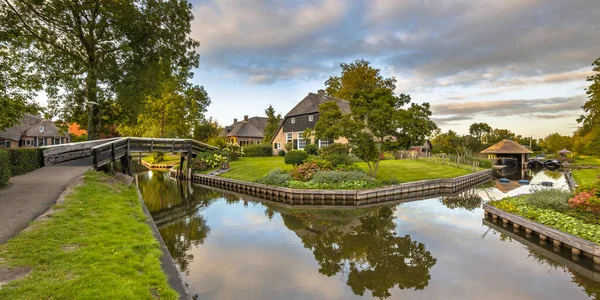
(281, 137)
(301, 123)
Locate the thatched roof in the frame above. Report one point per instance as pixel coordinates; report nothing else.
(506, 146)
(14, 133)
(44, 128)
(310, 105)
(564, 151)
(253, 127)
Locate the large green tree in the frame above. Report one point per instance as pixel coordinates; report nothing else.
(114, 53)
(480, 130)
(378, 117)
(273, 121)
(556, 142)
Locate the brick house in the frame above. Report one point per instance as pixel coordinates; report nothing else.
(32, 131)
(249, 131)
(305, 115)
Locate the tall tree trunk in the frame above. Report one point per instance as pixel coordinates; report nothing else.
(91, 84)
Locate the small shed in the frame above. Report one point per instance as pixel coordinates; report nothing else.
(507, 149)
(564, 153)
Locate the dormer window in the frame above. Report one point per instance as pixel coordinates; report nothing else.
(310, 118)
(293, 120)
(41, 128)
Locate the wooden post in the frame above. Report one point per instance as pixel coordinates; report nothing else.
(189, 165)
(128, 155)
(95, 158)
(112, 153)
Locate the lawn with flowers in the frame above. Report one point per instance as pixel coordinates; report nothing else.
(575, 213)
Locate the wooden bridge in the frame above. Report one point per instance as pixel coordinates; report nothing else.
(104, 152)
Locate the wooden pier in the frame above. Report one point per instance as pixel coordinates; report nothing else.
(579, 247)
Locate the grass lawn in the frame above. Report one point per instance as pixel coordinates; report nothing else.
(585, 176)
(587, 160)
(253, 168)
(407, 170)
(95, 245)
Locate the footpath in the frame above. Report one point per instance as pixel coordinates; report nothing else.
(32, 194)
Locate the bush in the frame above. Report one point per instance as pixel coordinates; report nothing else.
(335, 149)
(387, 155)
(276, 177)
(338, 159)
(5, 168)
(587, 199)
(233, 151)
(260, 150)
(322, 163)
(281, 153)
(25, 160)
(156, 157)
(311, 149)
(295, 157)
(549, 198)
(305, 171)
(336, 177)
(208, 160)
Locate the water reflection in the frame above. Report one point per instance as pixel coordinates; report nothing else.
(230, 246)
(364, 247)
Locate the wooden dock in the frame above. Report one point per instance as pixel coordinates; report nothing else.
(579, 247)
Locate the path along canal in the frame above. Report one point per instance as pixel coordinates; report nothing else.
(229, 246)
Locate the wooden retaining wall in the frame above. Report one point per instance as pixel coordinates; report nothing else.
(570, 181)
(578, 245)
(411, 190)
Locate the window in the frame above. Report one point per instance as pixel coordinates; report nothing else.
(293, 120)
(7, 144)
(28, 142)
(323, 143)
(277, 146)
(288, 137)
(41, 128)
(301, 141)
(56, 141)
(310, 118)
(41, 142)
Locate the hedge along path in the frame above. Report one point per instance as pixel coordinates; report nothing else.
(4, 168)
(96, 244)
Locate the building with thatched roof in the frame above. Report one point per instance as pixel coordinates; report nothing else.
(564, 152)
(33, 131)
(507, 149)
(249, 131)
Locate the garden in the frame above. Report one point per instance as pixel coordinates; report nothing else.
(575, 213)
(331, 167)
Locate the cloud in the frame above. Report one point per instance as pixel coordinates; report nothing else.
(547, 108)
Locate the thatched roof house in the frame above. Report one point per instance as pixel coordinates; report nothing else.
(246, 132)
(506, 146)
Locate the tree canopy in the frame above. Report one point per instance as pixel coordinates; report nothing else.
(273, 122)
(114, 53)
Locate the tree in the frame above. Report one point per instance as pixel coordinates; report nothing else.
(377, 117)
(207, 130)
(556, 142)
(499, 134)
(591, 117)
(273, 122)
(480, 130)
(109, 52)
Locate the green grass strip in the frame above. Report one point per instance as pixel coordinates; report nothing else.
(96, 245)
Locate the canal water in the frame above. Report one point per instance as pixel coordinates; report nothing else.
(230, 246)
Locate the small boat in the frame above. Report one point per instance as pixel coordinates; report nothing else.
(524, 181)
(547, 183)
(534, 164)
(552, 164)
(504, 180)
(506, 161)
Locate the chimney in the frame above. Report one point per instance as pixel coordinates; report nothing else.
(321, 93)
(246, 118)
(234, 120)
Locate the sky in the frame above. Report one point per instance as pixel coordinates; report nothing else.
(515, 64)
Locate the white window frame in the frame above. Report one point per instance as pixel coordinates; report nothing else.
(41, 128)
(321, 144)
(310, 118)
(293, 120)
(289, 137)
(300, 139)
(28, 142)
(278, 146)
(59, 141)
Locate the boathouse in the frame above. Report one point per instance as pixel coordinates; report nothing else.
(506, 150)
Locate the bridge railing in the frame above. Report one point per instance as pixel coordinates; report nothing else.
(60, 153)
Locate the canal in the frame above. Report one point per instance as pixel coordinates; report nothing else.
(230, 246)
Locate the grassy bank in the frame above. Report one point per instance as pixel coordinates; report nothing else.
(587, 160)
(253, 168)
(585, 176)
(167, 159)
(96, 244)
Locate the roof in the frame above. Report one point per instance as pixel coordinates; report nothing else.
(253, 127)
(49, 130)
(14, 133)
(564, 151)
(310, 104)
(506, 146)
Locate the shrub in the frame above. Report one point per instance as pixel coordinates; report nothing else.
(586, 201)
(208, 160)
(338, 159)
(388, 156)
(233, 151)
(305, 171)
(548, 198)
(336, 177)
(505, 205)
(335, 149)
(311, 149)
(156, 157)
(260, 150)
(25, 160)
(322, 163)
(281, 153)
(276, 177)
(4, 168)
(295, 157)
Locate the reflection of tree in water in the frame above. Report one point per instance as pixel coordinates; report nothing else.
(363, 246)
(158, 190)
(553, 174)
(182, 235)
(467, 201)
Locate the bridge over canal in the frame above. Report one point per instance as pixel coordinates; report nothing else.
(103, 152)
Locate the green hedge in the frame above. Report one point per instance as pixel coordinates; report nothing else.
(295, 157)
(4, 168)
(260, 150)
(25, 160)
